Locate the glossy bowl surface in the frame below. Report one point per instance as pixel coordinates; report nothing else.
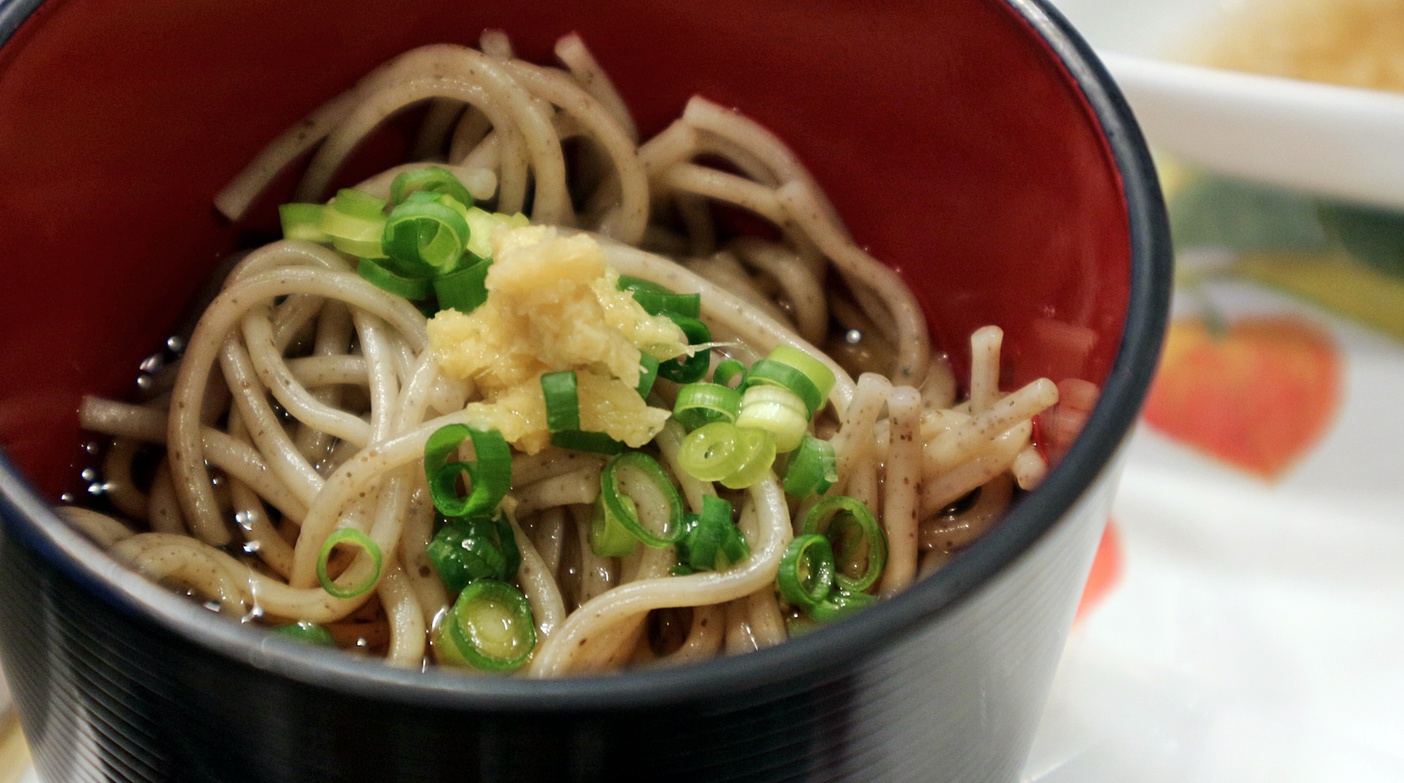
(975, 145)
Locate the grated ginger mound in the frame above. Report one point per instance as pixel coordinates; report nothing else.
(554, 304)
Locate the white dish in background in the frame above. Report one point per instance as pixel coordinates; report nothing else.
(1337, 141)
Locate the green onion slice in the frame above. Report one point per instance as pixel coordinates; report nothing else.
(711, 541)
(355, 221)
(776, 410)
(307, 631)
(608, 536)
(703, 403)
(463, 290)
(767, 373)
(816, 371)
(659, 300)
(729, 370)
(648, 373)
(851, 529)
(412, 288)
(490, 627)
(813, 468)
(712, 452)
(636, 475)
(473, 548)
(303, 221)
(687, 369)
(806, 575)
(432, 179)
(580, 440)
(489, 474)
(562, 400)
(839, 604)
(352, 537)
(424, 237)
(757, 457)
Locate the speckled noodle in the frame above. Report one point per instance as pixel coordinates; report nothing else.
(305, 396)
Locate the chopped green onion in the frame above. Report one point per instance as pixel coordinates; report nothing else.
(490, 627)
(631, 284)
(648, 373)
(712, 452)
(703, 403)
(839, 604)
(806, 574)
(727, 371)
(355, 221)
(758, 455)
(490, 473)
(432, 179)
(562, 400)
(767, 373)
(851, 529)
(608, 536)
(352, 537)
(813, 468)
(472, 548)
(308, 632)
(689, 368)
(635, 474)
(667, 303)
(303, 221)
(816, 371)
(776, 410)
(424, 237)
(463, 290)
(412, 288)
(737, 457)
(710, 541)
(593, 442)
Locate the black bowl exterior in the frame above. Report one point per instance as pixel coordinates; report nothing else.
(105, 695)
(943, 684)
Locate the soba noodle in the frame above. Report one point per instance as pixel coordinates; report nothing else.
(304, 397)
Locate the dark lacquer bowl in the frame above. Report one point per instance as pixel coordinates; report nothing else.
(976, 145)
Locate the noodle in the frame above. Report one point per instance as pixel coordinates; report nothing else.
(276, 471)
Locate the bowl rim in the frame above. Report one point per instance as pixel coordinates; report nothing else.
(29, 518)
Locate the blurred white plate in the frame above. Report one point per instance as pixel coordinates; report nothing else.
(1337, 141)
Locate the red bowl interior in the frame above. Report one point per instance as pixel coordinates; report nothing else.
(960, 155)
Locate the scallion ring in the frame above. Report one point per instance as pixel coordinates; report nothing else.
(806, 574)
(839, 604)
(490, 472)
(689, 368)
(412, 288)
(432, 179)
(463, 289)
(703, 403)
(633, 477)
(592, 442)
(562, 400)
(777, 374)
(648, 373)
(776, 410)
(813, 468)
(349, 536)
(851, 530)
(490, 627)
(424, 237)
(303, 221)
(729, 370)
